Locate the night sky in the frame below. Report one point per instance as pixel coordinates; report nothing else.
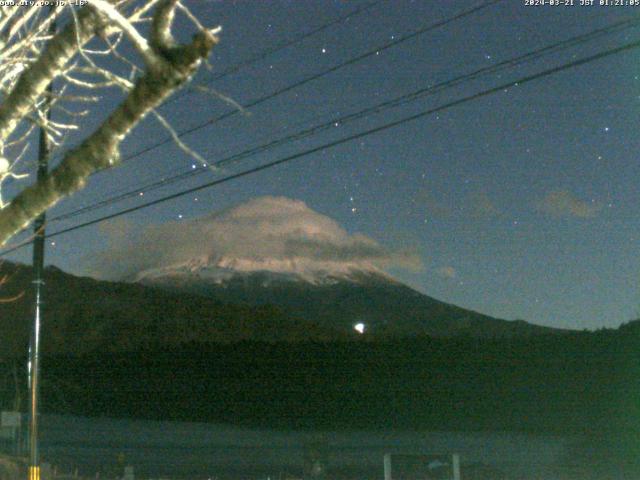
(520, 204)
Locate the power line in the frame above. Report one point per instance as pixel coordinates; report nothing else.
(270, 51)
(381, 128)
(316, 76)
(282, 46)
(403, 99)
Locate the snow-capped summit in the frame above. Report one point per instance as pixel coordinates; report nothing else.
(269, 235)
(220, 270)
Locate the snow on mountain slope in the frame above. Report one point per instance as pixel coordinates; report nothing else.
(222, 270)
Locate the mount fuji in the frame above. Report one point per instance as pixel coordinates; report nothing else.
(344, 298)
(276, 251)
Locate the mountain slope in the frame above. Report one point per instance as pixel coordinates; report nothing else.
(84, 314)
(337, 299)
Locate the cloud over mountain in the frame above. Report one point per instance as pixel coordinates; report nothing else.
(447, 272)
(562, 203)
(264, 233)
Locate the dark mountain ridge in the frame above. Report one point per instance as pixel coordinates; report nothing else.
(386, 307)
(83, 314)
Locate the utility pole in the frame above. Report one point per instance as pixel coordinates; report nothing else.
(38, 282)
(34, 347)
(44, 148)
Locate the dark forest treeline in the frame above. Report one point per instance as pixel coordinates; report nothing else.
(583, 382)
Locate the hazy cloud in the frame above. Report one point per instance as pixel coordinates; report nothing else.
(482, 206)
(562, 203)
(447, 272)
(431, 205)
(264, 229)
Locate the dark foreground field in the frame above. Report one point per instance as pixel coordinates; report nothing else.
(569, 401)
(581, 386)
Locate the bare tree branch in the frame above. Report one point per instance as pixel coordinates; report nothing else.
(37, 58)
(33, 81)
(171, 67)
